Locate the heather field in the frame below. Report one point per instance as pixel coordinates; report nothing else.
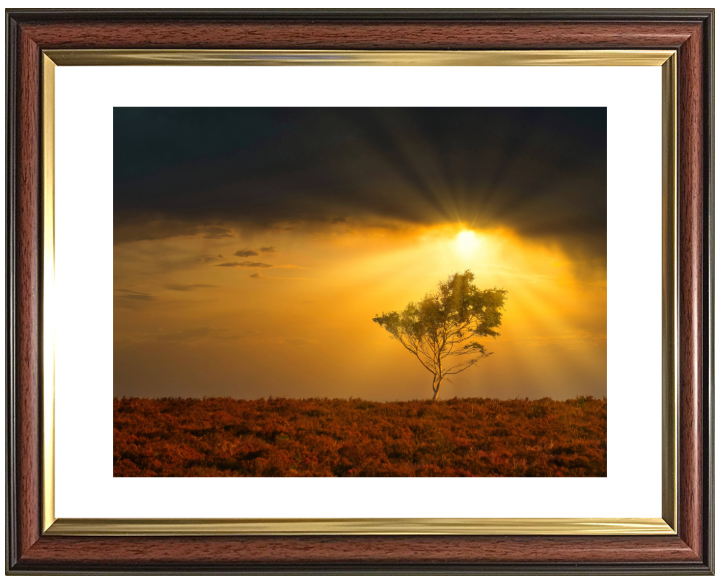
(322, 437)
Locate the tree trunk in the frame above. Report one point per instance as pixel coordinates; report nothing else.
(436, 389)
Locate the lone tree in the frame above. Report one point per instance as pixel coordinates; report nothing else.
(442, 330)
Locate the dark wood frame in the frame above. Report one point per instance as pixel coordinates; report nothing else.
(690, 32)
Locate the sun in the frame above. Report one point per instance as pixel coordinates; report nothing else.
(466, 243)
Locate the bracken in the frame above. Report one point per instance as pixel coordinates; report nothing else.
(333, 437)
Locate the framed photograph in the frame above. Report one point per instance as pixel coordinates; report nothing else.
(360, 291)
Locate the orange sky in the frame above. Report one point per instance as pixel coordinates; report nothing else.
(192, 318)
(254, 247)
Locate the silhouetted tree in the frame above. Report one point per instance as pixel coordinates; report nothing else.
(442, 330)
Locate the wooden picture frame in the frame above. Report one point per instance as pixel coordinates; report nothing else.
(33, 36)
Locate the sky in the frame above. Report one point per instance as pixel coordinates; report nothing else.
(254, 246)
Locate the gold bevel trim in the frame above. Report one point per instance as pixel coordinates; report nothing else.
(359, 526)
(48, 292)
(670, 373)
(502, 526)
(359, 57)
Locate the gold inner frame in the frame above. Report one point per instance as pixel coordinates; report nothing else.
(334, 526)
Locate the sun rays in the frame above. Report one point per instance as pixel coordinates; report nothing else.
(551, 341)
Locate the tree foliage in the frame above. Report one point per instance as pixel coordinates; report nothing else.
(442, 330)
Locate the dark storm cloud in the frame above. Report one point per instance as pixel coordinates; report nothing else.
(187, 171)
(214, 232)
(245, 264)
(267, 249)
(152, 225)
(246, 253)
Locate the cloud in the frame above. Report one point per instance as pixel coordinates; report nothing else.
(185, 335)
(188, 287)
(541, 172)
(214, 232)
(133, 295)
(245, 264)
(267, 249)
(246, 253)
(259, 276)
(154, 225)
